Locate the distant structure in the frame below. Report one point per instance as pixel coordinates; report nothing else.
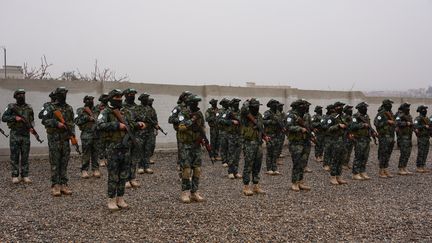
(12, 72)
(253, 85)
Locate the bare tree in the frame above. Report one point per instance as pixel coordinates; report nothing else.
(38, 73)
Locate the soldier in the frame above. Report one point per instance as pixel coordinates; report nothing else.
(281, 136)
(423, 132)
(191, 130)
(232, 120)
(154, 123)
(299, 143)
(274, 126)
(349, 143)
(308, 124)
(46, 104)
(118, 125)
(326, 138)
(145, 136)
(101, 144)
(316, 126)
(20, 119)
(336, 128)
(362, 131)
(223, 142)
(253, 134)
(211, 117)
(404, 123)
(385, 125)
(59, 134)
(85, 119)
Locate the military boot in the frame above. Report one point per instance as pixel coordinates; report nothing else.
(407, 171)
(55, 190)
(102, 163)
(426, 170)
(388, 174)
(15, 180)
(333, 180)
(238, 176)
(140, 171)
(195, 196)
(256, 189)
(303, 186)
(364, 176)
(135, 183)
(269, 172)
(218, 158)
(84, 174)
(148, 171)
(382, 173)
(225, 165)
(402, 171)
(151, 162)
(112, 205)
(276, 173)
(231, 176)
(121, 202)
(65, 190)
(128, 185)
(419, 170)
(295, 187)
(185, 197)
(307, 170)
(357, 177)
(97, 174)
(247, 191)
(340, 180)
(326, 167)
(27, 180)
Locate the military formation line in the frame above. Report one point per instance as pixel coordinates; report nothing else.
(121, 134)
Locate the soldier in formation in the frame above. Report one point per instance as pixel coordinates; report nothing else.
(423, 132)
(273, 123)
(223, 135)
(317, 128)
(233, 133)
(211, 117)
(349, 141)
(101, 144)
(404, 124)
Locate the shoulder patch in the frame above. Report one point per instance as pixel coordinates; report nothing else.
(289, 119)
(329, 121)
(415, 122)
(379, 117)
(224, 115)
(398, 118)
(100, 116)
(217, 114)
(174, 111)
(322, 120)
(181, 118)
(354, 119)
(45, 112)
(76, 115)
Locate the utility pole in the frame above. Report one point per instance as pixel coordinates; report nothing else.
(4, 55)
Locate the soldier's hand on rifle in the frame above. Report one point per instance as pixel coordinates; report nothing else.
(427, 126)
(343, 126)
(390, 122)
(142, 125)
(235, 122)
(31, 130)
(61, 125)
(303, 130)
(365, 125)
(18, 118)
(409, 124)
(122, 126)
(266, 138)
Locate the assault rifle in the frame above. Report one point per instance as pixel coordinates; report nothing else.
(261, 132)
(203, 140)
(3, 132)
(371, 132)
(155, 125)
(74, 141)
(130, 134)
(28, 124)
(309, 133)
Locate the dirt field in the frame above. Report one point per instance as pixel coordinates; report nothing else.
(398, 209)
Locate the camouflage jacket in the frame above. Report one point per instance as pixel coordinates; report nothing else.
(51, 122)
(422, 126)
(227, 121)
(273, 122)
(381, 122)
(404, 124)
(190, 130)
(173, 118)
(86, 122)
(357, 126)
(295, 123)
(211, 116)
(25, 111)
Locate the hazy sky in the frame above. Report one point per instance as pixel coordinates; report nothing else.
(308, 44)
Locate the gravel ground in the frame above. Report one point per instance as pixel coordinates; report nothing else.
(398, 209)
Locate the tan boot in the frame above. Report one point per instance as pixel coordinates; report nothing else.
(27, 180)
(128, 185)
(121, 202)
(55, 190)
(148, 171)
(407, 171)
(102, 163)
(333, 180)
(140, 171)
(218, 158)
(238, 176)
(295, 187)
(388, 174)
(382, 173)
(65, 190)
(326, 168)
(276, 173)
(256, 189)
(357, 177)
(269, 172)
(419, 170)
(279, 162)
(112, 205)
(97, 174)
(15, 180)
(135, 183)
(303, 186)
(247, 191)
(225, 165)
(84, 174)
(340, 180)
(185, 197)
(364, 176)
(231, 176)
(426, 170)
(197, 197)
(402, 171)
(307, 170)
(152, 161)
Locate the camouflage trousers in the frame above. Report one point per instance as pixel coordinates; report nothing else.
(191, 166)
(299, 156)
(214, 141)
(152, 142)
(327, 152)
(223, 143)
(361, 155)
(423, 150)
(405, 144)
(273, 152)
(253, 154)
(59, 153)
(145, 148)
(135, 157)
(319, 146)
(102, 147)
(118, 170)
(385, 149)
(234, 150)
(19, 148)
(90, 154)
(337, 149)
(349, 146)
(281, 144)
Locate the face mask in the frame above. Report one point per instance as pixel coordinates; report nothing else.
(387, 107)
(338, 109)
(20, 100)
(116, 104)
(319, 112)
(194, 106)
(225, 105)
(273, 108)
(214, 105)
(235, 106)
(349, 112)
(150, 103)
(144, 102)
(89, 104)
(61, 98)
(362, 110)
(423, 112)
(130, 99)
(254, 110)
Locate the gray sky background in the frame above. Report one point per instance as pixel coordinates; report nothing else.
(309, 44)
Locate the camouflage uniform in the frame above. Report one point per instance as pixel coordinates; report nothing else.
(422, 128)
(234, 137)
(223, 135)
(58, 138)
(327, 137)
(384, 123)
(102, 142)
(19, 140)
(118, 144)
(404, 123)
(89, 139)
(316, 126)
(211, 117)
(152, 114)
(273, 127)
(281, 135)
(146, 135)
(349, 143)
(308, 125)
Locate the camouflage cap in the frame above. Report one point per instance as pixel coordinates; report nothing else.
(224, 101)
(213, 101)
(88, 97)
(60, 90)
(103, 97)
(115, 92)
(129, 91)
(347, 107)
(143, 96)
(297, 103)
(404, 105)
(18, 91)
(330, 107)
(192, 98)
(421, 107)
(305, 102)
(361, 104)
(280, 104)
(387, 102)
(272, 102)
(254, 102)
(184, 95)
(318, 108)
(338, 103)
(234, 100)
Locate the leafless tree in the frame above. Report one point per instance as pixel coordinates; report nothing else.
(37, 73)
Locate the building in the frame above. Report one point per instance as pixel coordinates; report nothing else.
(12, 72)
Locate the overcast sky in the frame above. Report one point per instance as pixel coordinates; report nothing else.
(308, 44)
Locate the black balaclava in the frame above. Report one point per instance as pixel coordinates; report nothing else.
(423, 112)
(193, 105)
(20, 99)
(254, 110)
(61, 98)
(130, 99)
(116, 103)
(235, 106)
(89, 103)
(362, 110)
(387, 107)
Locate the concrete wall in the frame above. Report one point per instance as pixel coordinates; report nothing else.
(166, 96)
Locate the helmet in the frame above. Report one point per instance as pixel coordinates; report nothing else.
(115, 92)
(18, 91)
(192, 98)
(88, 97)
(143, 96)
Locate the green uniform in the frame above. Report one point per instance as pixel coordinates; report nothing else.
(89, 138)
(404, 124)
(386, 139)
(211, 117)
(359, 127)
